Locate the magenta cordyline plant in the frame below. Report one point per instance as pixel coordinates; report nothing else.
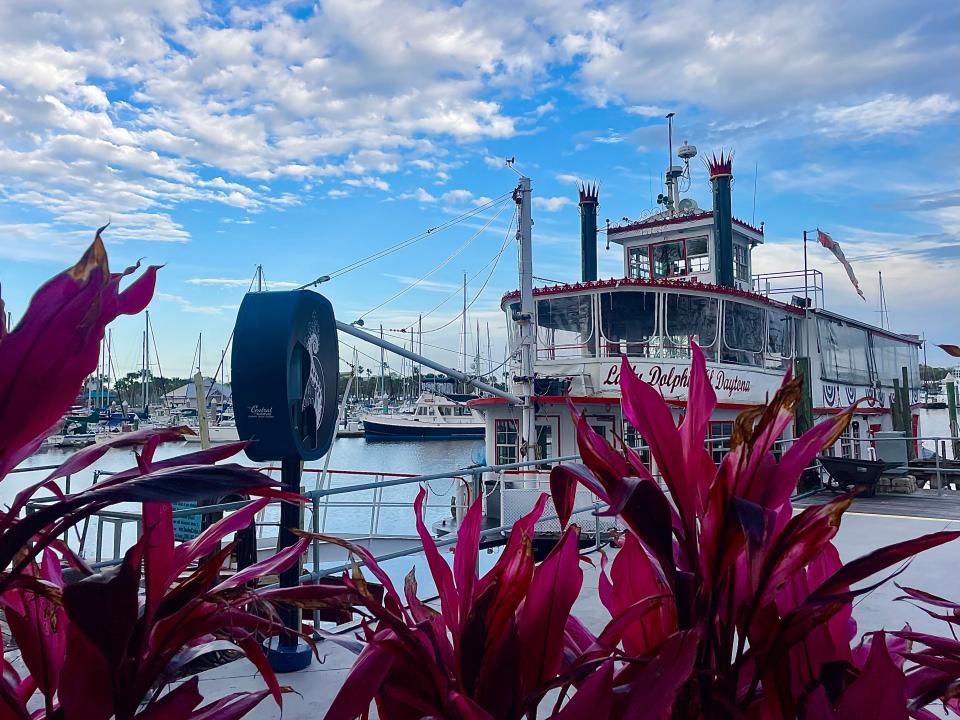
(108, 644)
(757, 606)
(723, 603)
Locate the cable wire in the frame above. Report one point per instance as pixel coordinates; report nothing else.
(357, 264)
(495, 260)
(446, 261)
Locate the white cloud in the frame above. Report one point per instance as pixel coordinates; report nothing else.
(420, 195)
(457, 196)
(544, 109)
(187, 306)
(650, 111)
(243, 283)
(368, 181)
(493, 162)
(428, 285)
(337, 194)
(567, 178)
(886, 114)
(552, 204)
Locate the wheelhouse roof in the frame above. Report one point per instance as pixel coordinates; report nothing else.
(655, 221)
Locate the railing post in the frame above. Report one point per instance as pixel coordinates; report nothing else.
(596, 525)
(99, 553)
(936, 455)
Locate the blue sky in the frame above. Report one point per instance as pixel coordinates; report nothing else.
(304, 136)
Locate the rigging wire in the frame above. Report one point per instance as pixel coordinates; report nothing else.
(223, 355)
(495, 260)
(442, 264)
(357, 264)
(156, 354)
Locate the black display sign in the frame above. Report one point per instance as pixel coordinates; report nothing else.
(285, 375)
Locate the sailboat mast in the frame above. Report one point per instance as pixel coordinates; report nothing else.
(383, 372)
(146, 362)
(489, 352)
(109, 357)
(143, 367)
(463, 348)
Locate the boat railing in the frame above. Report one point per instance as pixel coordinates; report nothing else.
(798, 283)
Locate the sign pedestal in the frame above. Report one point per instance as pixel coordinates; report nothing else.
(287, 652)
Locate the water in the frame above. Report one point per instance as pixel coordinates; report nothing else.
(348, 513)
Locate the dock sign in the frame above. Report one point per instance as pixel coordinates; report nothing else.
(285, 375)
(185, 527)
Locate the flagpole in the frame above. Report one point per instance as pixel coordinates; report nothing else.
(806, 293)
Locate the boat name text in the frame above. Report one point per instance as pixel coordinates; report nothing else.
(670, 379)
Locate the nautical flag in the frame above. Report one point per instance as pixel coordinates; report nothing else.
(950, 349)
(833, 246)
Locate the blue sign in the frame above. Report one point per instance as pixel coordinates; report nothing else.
(185, 527)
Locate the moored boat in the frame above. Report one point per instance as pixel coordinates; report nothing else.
(435, 416)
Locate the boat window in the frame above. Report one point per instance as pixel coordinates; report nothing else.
(891, 356)
(635, 440)
(691, 316)
(421, 411)
(505, 442)
(565, 326)
(719, 441)
(544, 444)
(638, 262)
(698, 257)
(741, 264)
(445, 410)
(668, 259)
(628, 322)
(845, 353)
(513, 329)
(743, 333)
(850, 442)
(779, 340)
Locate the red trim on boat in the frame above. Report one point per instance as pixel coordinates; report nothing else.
(662, 284)
(644, 224)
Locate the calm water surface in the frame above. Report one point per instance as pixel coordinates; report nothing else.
(348, 513)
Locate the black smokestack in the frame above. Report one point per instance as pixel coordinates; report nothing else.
(721, 173)
(589, 201)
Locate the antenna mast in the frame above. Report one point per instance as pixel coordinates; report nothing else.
(528, 336)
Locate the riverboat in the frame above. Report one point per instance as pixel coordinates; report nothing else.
(688, 276)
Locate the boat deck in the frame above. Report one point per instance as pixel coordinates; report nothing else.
(870, 523)
(921, 505)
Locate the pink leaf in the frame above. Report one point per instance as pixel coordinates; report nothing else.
(555, 586)
(365, 678)
(593, 699)
(442, 574)
(273, 565)
(56, 346)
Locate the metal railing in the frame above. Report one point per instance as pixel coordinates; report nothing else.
(112, 525)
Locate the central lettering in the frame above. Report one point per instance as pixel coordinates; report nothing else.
(670, 379)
